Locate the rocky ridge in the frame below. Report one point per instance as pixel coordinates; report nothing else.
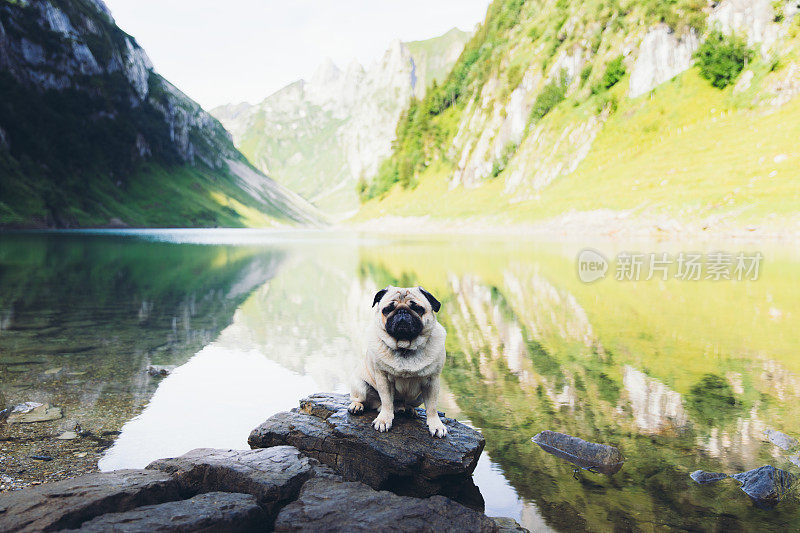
(653, 55)
(320, 136)
(65, 63)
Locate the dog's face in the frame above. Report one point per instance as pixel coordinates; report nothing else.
(406, 315)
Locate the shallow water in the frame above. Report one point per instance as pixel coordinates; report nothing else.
(680, 375)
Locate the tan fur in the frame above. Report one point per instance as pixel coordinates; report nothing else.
(389, 381)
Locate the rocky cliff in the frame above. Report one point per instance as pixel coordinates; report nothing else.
(90, 134)
(319, 137)
(563, 106)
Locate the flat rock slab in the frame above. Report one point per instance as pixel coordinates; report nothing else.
(273, 475)
(766, 485)
(327, 505)
(213, 511)
(67, 504)
(30, 412)
(406, 460)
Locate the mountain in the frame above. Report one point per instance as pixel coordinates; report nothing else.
(91, 135)
(673, 116)
(319, 137)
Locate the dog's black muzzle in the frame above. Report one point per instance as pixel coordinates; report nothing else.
(404, 325)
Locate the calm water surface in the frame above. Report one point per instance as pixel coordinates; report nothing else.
(679, 375)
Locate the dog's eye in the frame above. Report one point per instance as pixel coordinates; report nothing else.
(388, 309)
(417, 308)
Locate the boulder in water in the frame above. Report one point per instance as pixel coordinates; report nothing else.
(327, 505)
(600, 458)
(405, 460)
(780, 439)
(766, 485)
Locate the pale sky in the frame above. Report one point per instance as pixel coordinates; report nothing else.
(243, 50)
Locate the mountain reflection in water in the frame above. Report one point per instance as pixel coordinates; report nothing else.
(679, 375)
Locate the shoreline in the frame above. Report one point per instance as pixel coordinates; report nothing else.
(607, 224)
(594, 224)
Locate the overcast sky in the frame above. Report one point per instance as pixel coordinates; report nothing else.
(243, 50)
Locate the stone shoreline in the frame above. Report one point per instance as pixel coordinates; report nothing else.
(313, 468)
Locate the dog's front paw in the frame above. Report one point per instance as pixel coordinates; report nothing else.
(436, 427)
(355, 408)
(383, 422)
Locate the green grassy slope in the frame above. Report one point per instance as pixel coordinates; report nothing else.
(685, 150)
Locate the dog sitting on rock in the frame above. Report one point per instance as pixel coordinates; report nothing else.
(405, 356)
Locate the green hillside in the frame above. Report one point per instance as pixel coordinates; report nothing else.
(549, 115)
(90, 135)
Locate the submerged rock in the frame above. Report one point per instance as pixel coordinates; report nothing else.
(29, 412)
(328, 505)
(705, 478)
(405, 460)
(213, 511)
(781, 440)
(766, 485)
(591, 456)
(795, 459)
(160, 370)
(508, 525)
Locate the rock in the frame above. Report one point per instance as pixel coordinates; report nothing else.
(662, 56)
(766, 485)
(327, 505)
(67, 435)
(745, 81)
(508, 525)
(600, 458)
(213, 511)
(115, 222)
(705, 478)
(272, 475)
(405, 460)
(69, 503)
(781, 440)
(160, 370)
(751, 18)
(795, 459)
(29, 412)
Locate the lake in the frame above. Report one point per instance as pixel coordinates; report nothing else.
(679, 374)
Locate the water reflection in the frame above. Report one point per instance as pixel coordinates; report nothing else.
(84, 317)
(680, 376)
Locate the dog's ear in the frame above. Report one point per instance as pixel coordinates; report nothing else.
(378, 296)
(435, 304)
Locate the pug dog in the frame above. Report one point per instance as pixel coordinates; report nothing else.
(405, 355)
